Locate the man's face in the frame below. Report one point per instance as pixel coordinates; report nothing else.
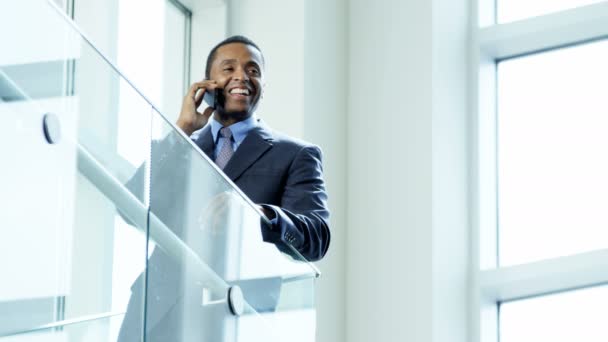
(238, 69)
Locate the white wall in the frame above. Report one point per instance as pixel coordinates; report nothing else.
(277, 27)
(389, 245)
(324, 120)
(208, 28)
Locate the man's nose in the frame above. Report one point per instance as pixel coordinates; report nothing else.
(240, 74)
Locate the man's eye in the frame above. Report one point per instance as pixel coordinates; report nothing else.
(254, 71)
(228, 69)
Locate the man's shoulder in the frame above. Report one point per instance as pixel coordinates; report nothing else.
(284, 141)
(292, 142)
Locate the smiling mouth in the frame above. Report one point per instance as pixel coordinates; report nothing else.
(239, 92)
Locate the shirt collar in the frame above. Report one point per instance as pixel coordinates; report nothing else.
(239, 130)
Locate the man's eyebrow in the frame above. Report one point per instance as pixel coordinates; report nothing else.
(226, 61)
(253, 63)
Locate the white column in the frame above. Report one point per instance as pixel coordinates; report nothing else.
(407, 231)
(325, 124)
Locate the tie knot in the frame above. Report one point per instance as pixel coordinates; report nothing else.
(225, 132)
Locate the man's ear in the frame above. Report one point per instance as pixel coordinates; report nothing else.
(263, 90)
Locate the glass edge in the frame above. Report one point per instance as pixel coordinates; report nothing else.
(63, 323)
(15, 85)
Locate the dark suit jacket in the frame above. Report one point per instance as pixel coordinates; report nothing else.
(284, 175)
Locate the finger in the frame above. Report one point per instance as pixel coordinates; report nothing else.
(199, 98)
(193, 89)
(200, 85)
(207, 112)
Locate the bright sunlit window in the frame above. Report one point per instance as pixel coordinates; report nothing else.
(552, 160)
(563, 317)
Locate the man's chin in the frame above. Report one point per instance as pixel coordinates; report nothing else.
(237, 115)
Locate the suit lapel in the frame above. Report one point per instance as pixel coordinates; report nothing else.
(205, 141)
(257, 142)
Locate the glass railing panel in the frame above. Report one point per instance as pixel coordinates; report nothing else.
(73, 131)
(221, 228)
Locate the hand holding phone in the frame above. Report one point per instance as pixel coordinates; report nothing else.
(190, 119)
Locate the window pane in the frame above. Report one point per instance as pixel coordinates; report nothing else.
(565, 317)
(552, 159)
(512, 10)
(151, 51)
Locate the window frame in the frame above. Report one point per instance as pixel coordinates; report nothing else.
(490, 44)
(187, 40)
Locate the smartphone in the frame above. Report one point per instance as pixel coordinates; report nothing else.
(215, 98)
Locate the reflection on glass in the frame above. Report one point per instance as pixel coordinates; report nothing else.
(513, 10)
(563, 317)
(552, 124)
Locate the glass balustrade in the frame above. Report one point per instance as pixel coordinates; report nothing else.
(115, 226)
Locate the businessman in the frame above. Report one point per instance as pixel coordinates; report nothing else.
(282, 175)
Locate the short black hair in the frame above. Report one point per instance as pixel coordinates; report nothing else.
(229, 40)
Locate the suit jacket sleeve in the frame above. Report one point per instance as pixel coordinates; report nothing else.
(302, 219)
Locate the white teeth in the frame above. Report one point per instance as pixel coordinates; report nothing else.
(239, 91)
